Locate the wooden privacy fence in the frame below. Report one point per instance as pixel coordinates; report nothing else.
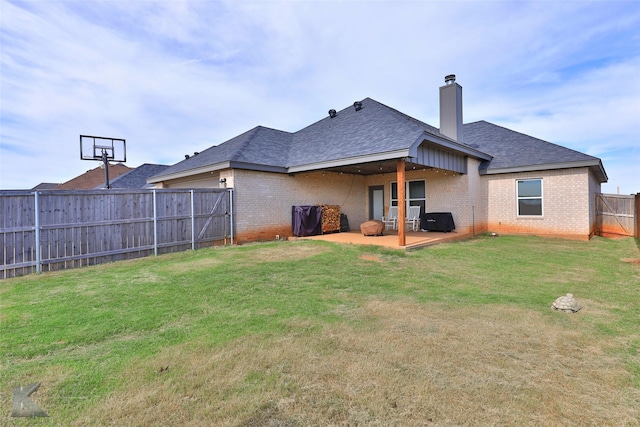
(616, 214)
(52, 230)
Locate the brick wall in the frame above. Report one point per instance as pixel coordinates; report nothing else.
(263, 200)
(568, 210)
(446, 192)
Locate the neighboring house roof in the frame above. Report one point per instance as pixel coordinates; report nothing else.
(45, 186)
(136, 178)
(93, 178)
(375, 133)
(516, 152)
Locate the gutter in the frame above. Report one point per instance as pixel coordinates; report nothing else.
(597, 164)
(214, 168)
(389, 155)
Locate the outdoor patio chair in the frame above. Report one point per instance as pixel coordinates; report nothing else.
(391, 220)
(413, 217)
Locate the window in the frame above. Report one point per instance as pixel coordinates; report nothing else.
(415, 194)
(529, 197)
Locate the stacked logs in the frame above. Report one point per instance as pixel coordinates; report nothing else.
(330, 218)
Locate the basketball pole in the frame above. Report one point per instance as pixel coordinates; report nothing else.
(105, 160)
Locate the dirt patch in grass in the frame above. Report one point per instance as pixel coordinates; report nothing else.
(199, 264)
(394, 363)
(631, 260)
(286, 251)
(374, 258)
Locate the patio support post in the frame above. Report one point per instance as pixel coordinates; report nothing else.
(402, 214)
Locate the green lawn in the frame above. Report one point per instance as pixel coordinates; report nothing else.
(307, 333)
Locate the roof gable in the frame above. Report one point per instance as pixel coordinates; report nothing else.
(372, 130)
(515, 151)
(258, 146)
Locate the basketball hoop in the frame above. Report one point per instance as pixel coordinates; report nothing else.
(103, 149)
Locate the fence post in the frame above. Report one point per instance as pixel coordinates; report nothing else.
(37, 218)
(155, 225)
(637, 215)
(193, 225)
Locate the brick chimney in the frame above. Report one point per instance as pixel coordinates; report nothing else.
(451, 108)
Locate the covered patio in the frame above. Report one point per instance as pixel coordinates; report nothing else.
(413, 239)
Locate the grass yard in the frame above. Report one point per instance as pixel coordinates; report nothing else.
(313, 333)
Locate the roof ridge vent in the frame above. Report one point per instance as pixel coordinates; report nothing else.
(332, 113)
(357, 105)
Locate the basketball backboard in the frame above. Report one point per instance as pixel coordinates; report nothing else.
(96, 147)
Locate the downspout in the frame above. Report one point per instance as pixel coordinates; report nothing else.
(473, 220)
(231, 213)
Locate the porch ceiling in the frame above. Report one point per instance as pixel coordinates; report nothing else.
(376, 168)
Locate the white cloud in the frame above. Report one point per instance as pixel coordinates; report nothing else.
(176, 77)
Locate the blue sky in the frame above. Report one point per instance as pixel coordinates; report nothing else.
(175, 77)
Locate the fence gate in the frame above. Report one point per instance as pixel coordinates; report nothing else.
(615, 215)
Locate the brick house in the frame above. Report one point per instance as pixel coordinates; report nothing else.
(369, 156)
(94, 178)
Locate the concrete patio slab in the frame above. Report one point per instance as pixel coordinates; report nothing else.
(414, 239)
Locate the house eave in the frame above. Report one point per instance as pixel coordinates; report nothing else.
(215, 168)
(389, 155)
(189, 172)
(257, 167)
(595, 165)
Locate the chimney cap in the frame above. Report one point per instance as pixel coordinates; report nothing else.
(451, 78)
(332, 113)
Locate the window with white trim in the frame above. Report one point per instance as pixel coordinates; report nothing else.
(415, 192)
(529, 194)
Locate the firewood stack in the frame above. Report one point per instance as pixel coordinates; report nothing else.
(330, 218)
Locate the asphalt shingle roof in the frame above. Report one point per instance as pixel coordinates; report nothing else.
(375, 129)
(260, 145)
(511, 149)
